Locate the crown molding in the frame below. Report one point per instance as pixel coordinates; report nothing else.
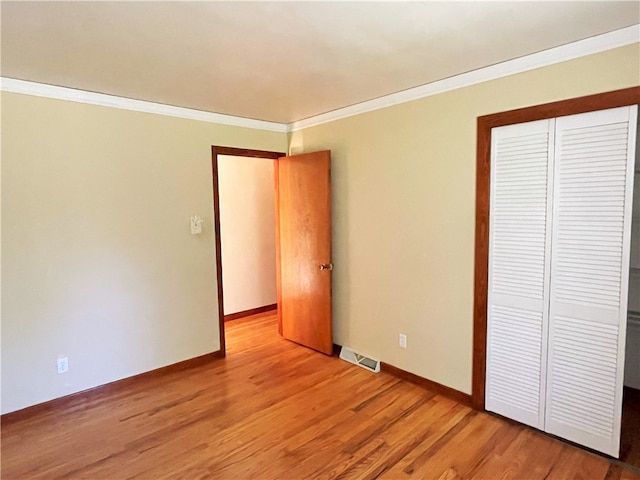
(92, 98)
(570, 51)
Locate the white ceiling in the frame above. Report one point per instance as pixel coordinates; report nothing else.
(281, 61)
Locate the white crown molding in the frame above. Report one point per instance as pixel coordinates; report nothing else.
(570, 51)
(81, 96)
(581, 48)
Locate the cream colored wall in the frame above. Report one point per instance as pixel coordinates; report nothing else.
(404, 211)
(247, 232)
(98, 261)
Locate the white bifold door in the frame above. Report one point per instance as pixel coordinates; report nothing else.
(560, 227)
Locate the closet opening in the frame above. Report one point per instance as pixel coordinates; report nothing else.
(604, 101)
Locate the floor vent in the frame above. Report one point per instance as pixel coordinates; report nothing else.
(357, 359)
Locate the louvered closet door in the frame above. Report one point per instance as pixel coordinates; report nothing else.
(518, 270)
(593, 186)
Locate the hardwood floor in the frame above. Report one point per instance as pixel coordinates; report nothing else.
(273, 409)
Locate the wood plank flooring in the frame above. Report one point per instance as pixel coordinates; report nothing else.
(275, 410)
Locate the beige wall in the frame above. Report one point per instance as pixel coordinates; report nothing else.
(247, 232)
(99, 265)
(404, 206)
(98, 261)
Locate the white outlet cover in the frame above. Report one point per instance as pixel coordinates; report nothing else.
(63, 365)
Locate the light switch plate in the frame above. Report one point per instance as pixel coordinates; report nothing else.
(196, 225)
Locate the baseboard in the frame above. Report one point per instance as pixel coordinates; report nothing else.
(436, 387)
(107, 388)
(251, 311)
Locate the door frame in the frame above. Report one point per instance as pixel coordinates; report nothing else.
(235, 152)
(590, 103)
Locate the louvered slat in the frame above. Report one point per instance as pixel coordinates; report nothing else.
(592, 395)
(593, 178)
(518, 269)
(515, 342)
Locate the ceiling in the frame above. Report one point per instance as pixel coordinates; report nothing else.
(281, 61)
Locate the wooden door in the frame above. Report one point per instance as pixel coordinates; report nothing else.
(303, 226)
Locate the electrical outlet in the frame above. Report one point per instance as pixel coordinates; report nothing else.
(402, 340)
(63, 365)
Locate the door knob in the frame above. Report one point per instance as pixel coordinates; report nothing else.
(326, 266)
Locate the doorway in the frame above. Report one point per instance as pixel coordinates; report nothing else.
(609, 100)
(237, 305)
(302, 188)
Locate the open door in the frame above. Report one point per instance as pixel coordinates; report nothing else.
(303, 236)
